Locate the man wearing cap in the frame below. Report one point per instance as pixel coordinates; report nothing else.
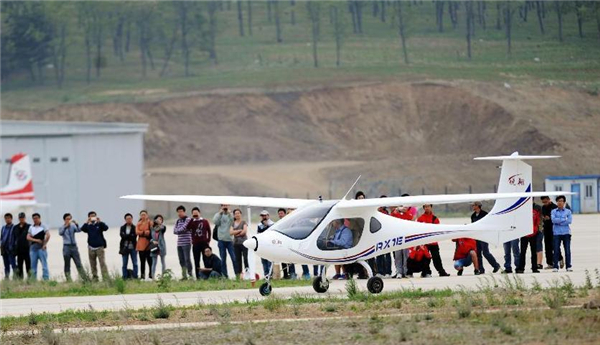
(483, 248)
(265, 223)
(22, 247)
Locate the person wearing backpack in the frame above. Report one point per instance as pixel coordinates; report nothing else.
(433, 247)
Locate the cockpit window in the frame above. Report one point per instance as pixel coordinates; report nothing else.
(342, 233)
(301, 223)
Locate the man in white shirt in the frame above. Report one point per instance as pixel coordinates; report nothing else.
(38, 236)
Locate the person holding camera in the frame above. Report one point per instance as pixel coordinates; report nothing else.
(70, 251)
(265, 223)
(224, 219)
(95, 228)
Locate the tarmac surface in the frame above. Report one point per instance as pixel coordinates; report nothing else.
(585, 249)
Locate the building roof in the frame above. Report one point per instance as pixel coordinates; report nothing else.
(574, 177)
(14, 128)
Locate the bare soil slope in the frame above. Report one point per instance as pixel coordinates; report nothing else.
(418, 135)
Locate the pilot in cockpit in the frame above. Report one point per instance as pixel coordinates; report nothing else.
(342, 238)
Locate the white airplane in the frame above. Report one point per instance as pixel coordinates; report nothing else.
(18, 193)
(303, 237)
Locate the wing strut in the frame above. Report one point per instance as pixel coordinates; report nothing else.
(350, 190)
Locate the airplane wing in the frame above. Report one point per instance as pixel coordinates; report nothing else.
(228, 200)
(439, 199)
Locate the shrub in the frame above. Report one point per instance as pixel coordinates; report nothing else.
(164, 280)
(120, 285)
(273, 303)
(32, 320)
(162, 310)
(352, 289)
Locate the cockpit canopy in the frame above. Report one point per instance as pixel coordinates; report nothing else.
(302, 222)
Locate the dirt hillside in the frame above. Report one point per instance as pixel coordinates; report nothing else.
(409, 136)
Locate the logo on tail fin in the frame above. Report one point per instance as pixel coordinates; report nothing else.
(514, 181)
(21, 175)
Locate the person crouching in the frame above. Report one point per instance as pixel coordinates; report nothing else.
(465, 254)
(418, 260)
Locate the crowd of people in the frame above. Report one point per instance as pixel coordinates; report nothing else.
(24, 245)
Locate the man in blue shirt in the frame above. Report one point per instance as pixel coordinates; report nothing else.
(561, 219)
(342, 239)
(8, 246)
(70, 251)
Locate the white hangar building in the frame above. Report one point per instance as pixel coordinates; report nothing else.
(79, 166)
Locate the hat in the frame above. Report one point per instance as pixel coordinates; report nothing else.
(264, 213)
(22, 215)
(477, 203)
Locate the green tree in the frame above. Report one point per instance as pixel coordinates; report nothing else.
(26, 39)
(58, 14)
(338, 31)
(399, 6)
(314, 14)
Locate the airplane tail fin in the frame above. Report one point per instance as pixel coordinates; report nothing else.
(20, 183)
(510, 219)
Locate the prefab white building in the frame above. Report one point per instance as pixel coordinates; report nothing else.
(587, 187)
(79, 166)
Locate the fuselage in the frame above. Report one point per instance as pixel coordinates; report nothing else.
(302, 237)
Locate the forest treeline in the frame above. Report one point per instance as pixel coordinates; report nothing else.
(36, 35)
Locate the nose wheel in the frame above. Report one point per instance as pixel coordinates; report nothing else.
(321, 284)
(265, 289)
(375, 285)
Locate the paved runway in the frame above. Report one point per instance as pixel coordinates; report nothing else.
(585, 248)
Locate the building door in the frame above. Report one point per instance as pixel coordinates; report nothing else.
(576, 198)
(589, 199)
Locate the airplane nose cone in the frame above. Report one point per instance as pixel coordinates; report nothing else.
(251, 243)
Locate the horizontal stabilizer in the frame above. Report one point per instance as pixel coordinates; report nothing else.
(514, 156)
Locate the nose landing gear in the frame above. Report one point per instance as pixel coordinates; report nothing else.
(265, 288)
(320, 283)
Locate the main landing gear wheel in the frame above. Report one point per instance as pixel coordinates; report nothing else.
(375, 285)
(320, 285)
(265, 289)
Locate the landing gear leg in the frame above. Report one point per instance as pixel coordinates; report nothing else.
(320, 283)
(265, 288)
(374, 284)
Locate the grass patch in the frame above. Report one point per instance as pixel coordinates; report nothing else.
(165, 283)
